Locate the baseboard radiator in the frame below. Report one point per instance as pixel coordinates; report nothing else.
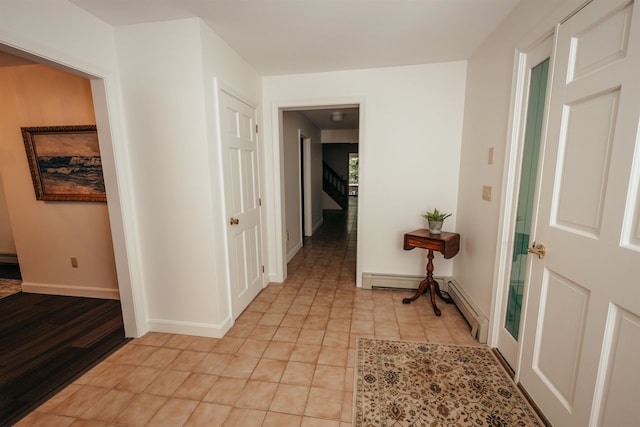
(470, 311)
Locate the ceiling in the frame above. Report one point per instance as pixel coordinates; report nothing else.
(321, 118)
(303, 36)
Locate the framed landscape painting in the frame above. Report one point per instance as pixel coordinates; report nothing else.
(65, 163)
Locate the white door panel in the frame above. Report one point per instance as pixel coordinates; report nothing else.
(242, 207)
(582, 337)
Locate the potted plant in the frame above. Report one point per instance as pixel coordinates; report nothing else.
(435, 219)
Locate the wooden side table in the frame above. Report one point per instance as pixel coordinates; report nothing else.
(446, 243)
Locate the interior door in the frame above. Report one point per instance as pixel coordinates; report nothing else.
(242, 200)
(524, 199)
(582, 328)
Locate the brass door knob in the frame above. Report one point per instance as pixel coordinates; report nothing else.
(539, 250)
(234, 221)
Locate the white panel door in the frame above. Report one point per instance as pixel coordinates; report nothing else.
(582, 324)
(242, 200)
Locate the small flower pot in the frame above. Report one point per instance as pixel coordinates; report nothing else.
(435, 227)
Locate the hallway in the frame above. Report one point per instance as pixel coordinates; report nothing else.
(287, 361)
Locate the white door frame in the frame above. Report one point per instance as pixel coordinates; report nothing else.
(304, 183)
(515, 126)
(274, 168)
(513, 165)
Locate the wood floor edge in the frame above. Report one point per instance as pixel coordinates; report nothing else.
(512, 374)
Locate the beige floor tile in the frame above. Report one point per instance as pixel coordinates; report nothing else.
(213, 363)
(196, 386)
(290, 399)
(139, 379)
(58, 398)
(161, 357)
(286, 334)
(240, 367)
(228, 345)
(333, 356)
(156, 339)
(257, 395)
(317, 422)
(276, 419)
(293, 320)
(269, 370)
(208, 415)
(205, 344)
(187, 360)
(278, 350)
(80, 401)
(166, 383)
(174, 413)
(252, 347)
(225, 391)
(324, 403)
(331, 377)
(141, 409)
(242, 417)
(39, 419)
(305, 353)
(109, 406)
(347, 406)
(311, 336)
(298, 373)
(271, 319)
(263, 332)
(181, 342)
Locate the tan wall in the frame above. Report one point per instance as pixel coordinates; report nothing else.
(48, 234)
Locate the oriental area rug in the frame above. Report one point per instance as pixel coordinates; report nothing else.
(403, 383)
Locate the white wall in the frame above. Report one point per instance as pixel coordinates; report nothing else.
(411, 124)
(167, 71)
(293, 123)
(486, 124)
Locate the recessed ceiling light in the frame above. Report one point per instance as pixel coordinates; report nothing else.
(337, 116)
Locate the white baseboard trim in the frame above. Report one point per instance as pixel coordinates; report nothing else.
(210, 330)
(294, 251)
(317, 225)
(397, 281)
(72, 291)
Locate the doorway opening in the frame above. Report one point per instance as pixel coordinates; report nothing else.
(322, 141)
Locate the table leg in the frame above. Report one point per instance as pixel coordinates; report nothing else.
(434, 288)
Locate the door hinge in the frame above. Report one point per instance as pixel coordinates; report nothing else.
(259, 201)
(263, 268)
(257, 129)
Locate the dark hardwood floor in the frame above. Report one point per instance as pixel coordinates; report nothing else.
(46, 342)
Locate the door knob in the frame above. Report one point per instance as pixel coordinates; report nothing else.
(234, 221)
(539, 250)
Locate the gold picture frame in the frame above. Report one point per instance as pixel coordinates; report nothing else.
(65, 163)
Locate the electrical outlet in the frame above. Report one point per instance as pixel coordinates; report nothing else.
(74, 262)
(486, 193)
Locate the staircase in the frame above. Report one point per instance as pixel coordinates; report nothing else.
(335, 186)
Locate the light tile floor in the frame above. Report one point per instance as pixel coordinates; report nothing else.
(288, 360)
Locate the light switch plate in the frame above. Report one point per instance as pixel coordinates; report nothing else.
(486, 193)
